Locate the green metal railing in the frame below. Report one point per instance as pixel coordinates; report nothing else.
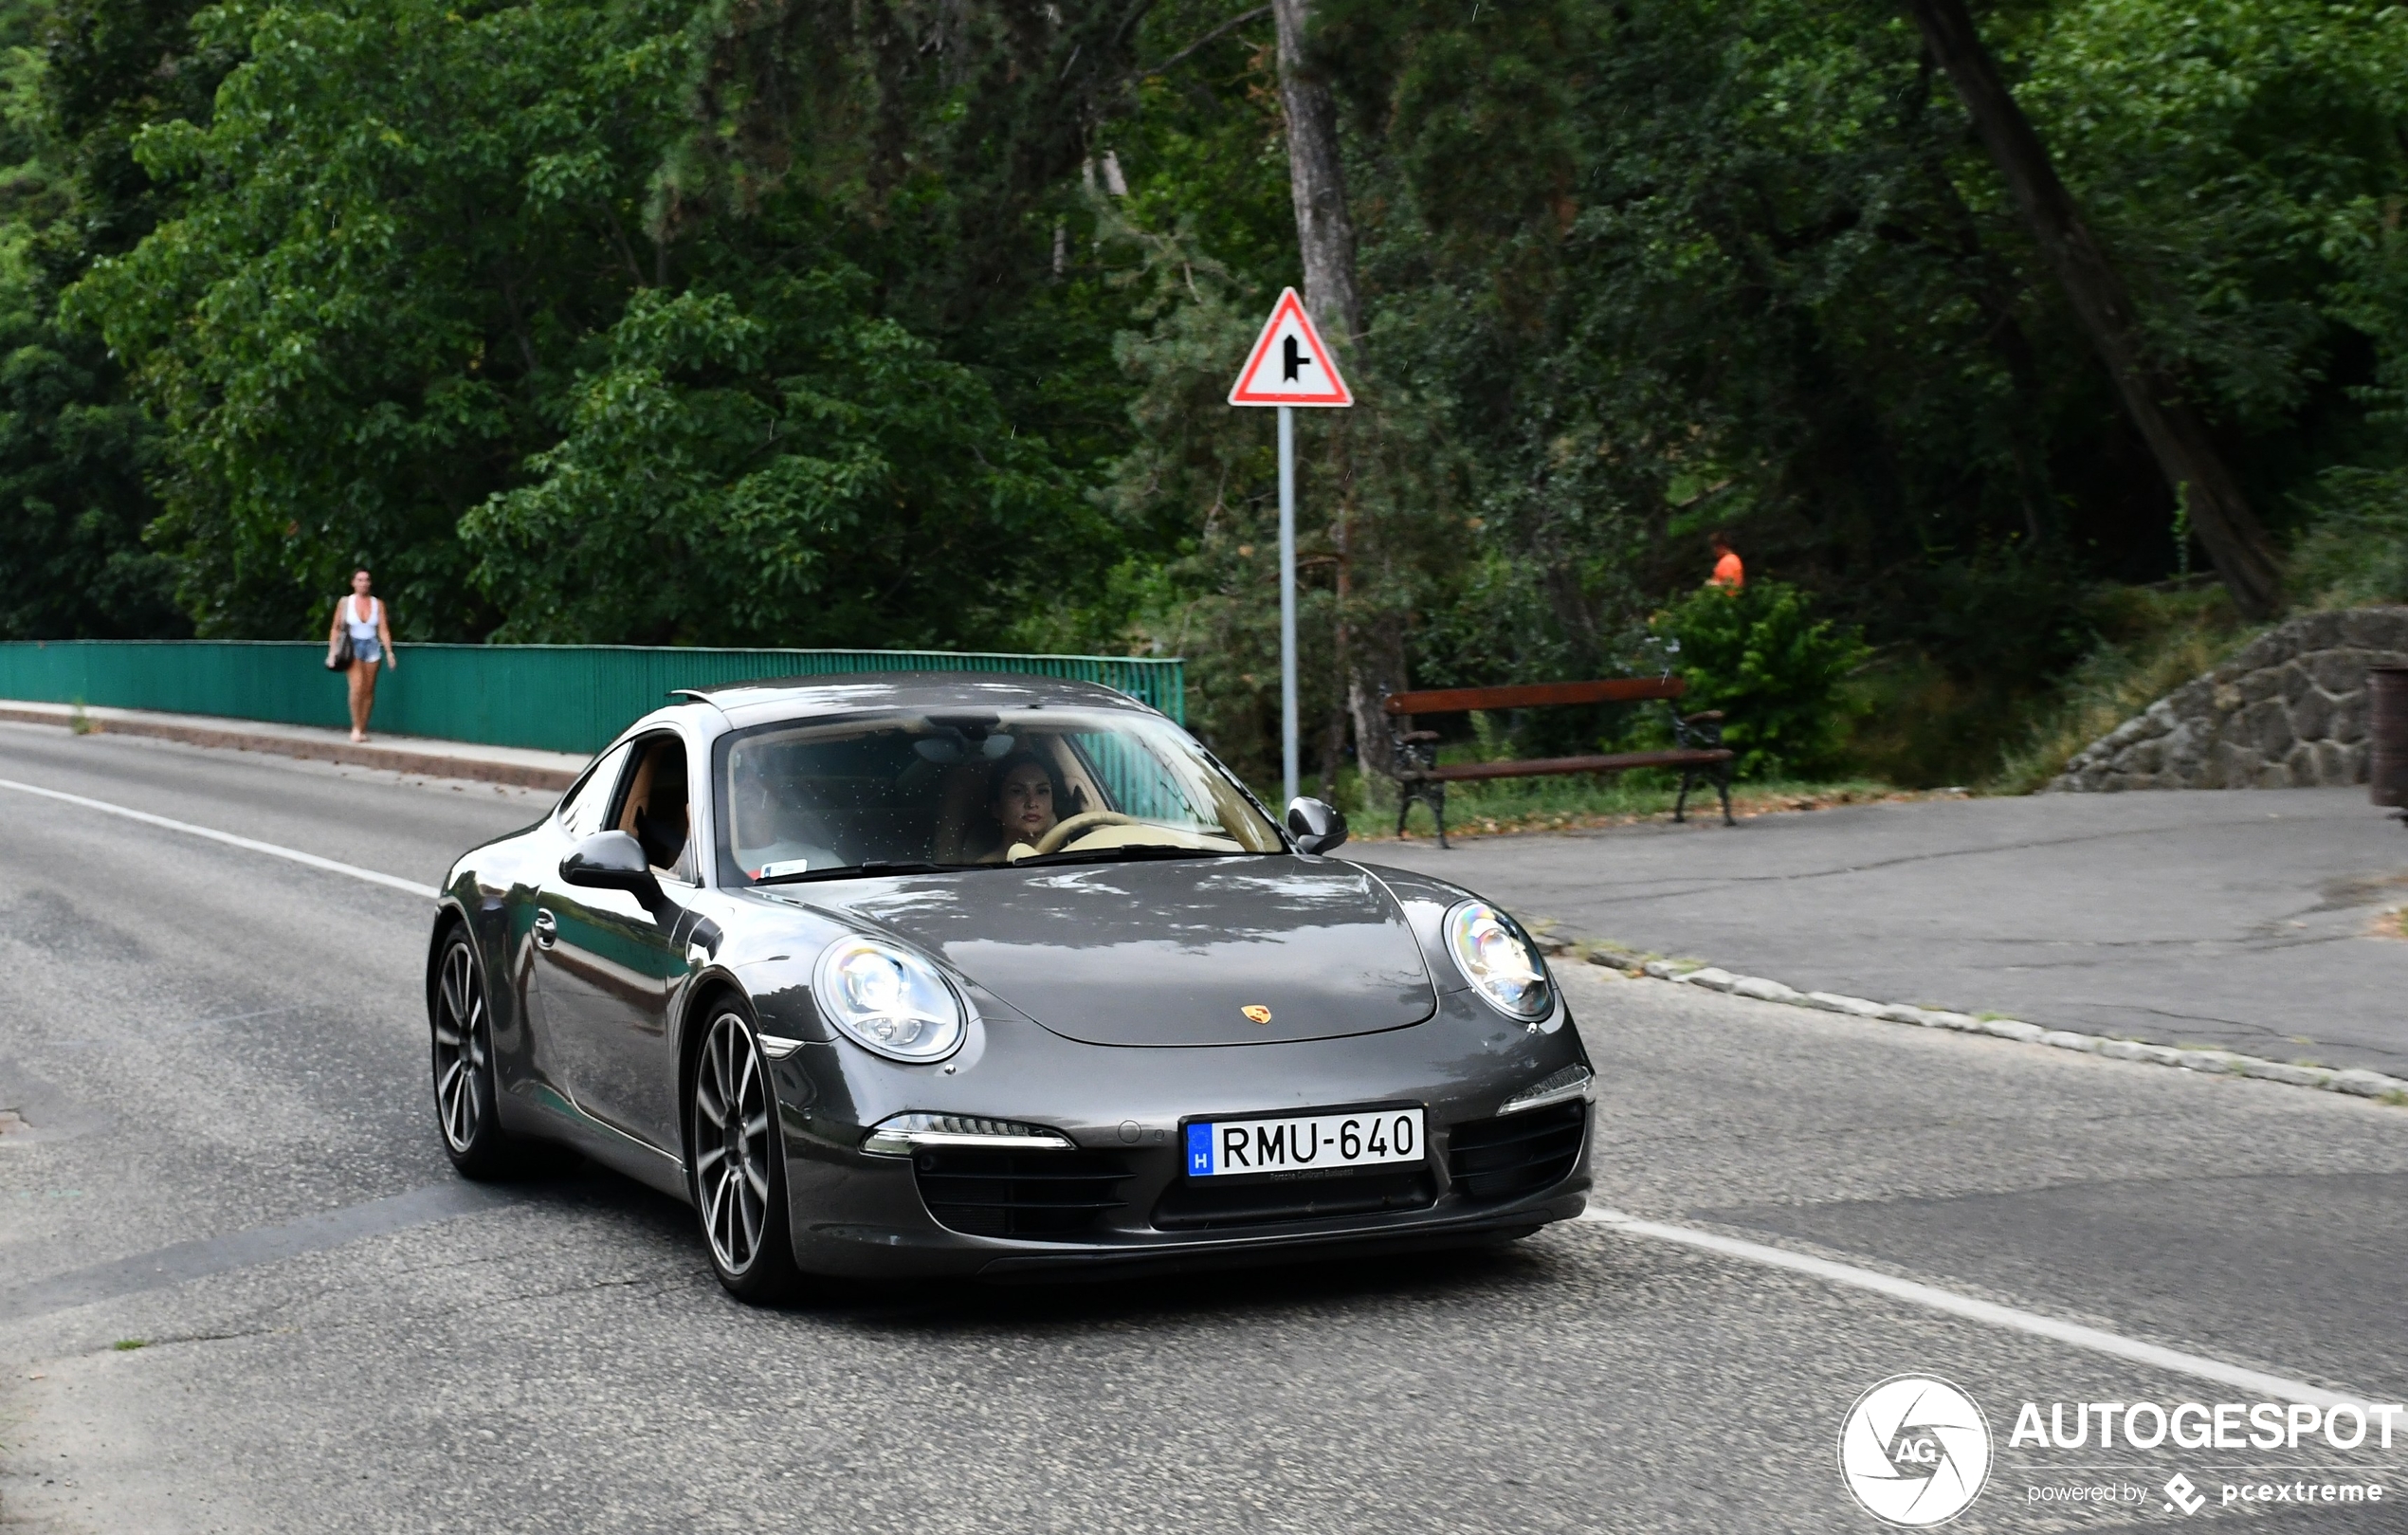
(563, 698)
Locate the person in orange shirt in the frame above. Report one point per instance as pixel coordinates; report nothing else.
(1728, 573)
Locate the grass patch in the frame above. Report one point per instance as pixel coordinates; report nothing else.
(1579, 800)
(2155, 642)
(127, 1345)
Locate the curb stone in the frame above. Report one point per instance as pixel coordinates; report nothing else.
(2355, 1081)
(523, 766)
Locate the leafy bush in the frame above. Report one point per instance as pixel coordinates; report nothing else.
(1761, 656)
(2356, 551)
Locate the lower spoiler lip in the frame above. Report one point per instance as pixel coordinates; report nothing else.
(1107, 1264)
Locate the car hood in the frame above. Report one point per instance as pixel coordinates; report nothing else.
(1174, 953)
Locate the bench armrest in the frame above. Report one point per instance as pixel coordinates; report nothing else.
(1412, 753)
(1703, 728)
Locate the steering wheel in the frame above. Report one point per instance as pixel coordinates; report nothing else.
(1079, 825)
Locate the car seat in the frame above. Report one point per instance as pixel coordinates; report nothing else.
(656, 808)
(965, 833)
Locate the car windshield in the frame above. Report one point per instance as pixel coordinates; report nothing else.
(804, 799)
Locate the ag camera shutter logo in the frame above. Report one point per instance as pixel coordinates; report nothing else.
(1915, 1450)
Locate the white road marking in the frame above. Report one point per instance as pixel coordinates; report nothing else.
(2264, 1387)
(295, 854)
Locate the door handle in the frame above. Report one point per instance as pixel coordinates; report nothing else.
(547, 929)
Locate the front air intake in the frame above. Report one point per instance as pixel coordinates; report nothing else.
(1516, 1153)
(1034, 1193)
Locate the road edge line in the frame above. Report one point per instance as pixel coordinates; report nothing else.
(2011, 1318)
(249, 844)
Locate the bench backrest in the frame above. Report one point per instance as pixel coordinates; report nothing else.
(1533, 695)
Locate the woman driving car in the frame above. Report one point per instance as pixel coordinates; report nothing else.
(1023, 798)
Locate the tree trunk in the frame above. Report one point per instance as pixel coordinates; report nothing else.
(1317, 180)
(2203, 481)
(1376, 670)
(1371, 652)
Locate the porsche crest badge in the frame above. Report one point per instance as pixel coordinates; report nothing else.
(1256, 1012)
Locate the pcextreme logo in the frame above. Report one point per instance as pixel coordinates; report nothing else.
(1915, 1450)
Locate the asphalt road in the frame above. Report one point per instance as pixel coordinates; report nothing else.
(2242, 920)
(219, 1061)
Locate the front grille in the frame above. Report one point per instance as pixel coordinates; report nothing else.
(1040, 1193)
(1519, 1153)
(1217, 1201)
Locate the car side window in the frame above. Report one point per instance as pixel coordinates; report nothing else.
(653, 807)
(581, 813)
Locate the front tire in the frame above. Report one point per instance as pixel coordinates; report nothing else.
(739, 1164)
(464, 1099)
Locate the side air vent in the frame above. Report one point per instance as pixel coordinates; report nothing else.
(1034, 1193)
(1502, 1159)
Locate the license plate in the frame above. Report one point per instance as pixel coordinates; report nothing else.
(1310, 1143)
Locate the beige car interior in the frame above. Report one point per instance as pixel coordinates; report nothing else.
(654, 808)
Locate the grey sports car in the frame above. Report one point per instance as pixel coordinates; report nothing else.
(948, 973)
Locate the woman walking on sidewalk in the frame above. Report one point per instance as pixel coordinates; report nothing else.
(360, 618)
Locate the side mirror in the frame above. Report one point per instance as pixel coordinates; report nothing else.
(1316, 826)
(608, 861)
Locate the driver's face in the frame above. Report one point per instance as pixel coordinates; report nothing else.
(1024, 803)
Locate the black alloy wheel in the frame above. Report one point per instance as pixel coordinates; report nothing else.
(462, 1023)
(739, 1164)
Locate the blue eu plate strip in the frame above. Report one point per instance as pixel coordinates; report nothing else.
(1199, 1150)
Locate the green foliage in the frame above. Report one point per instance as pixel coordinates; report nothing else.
(778, 467)
(73, 451)
(1777, 672)
(624, 321)
(2227, 148)
(402, 223)
(910, 322)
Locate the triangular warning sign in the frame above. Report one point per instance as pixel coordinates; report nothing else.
(1289, 366)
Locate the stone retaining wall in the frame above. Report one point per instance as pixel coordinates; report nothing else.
(2288, 711)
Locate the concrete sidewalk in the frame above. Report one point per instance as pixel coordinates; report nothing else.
(399, 754)
(2244, 920)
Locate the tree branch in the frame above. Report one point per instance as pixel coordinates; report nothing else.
(1213, 36)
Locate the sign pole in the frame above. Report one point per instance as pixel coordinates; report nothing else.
(1287, 603)
(1289, 367)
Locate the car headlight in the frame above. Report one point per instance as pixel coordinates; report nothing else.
(887, 999)
(1499, 960)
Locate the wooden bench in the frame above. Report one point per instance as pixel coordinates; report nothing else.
(1698, 752)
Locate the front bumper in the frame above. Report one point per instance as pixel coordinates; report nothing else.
(876, 1221)
(856, 1215)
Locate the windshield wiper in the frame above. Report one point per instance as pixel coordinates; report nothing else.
(867, 865)
(1126, 853)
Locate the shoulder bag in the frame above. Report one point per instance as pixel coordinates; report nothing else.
(338, 655)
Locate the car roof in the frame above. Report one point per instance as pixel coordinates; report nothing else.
(761, 700)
